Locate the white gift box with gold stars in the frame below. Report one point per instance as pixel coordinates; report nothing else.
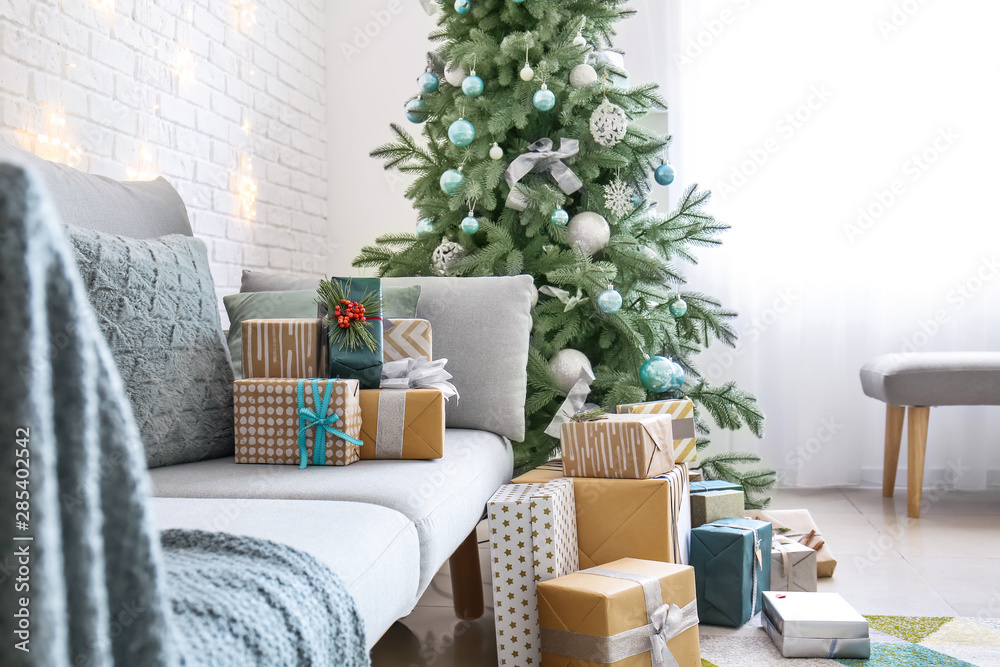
(532, 539)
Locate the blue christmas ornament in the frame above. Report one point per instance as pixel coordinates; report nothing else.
(518, 1)
(428, 82)
(461, 132)
(462, 6)
(677, 381)
(610, 301)
(657, 374)
(416, 110)
(451, 181)
(469, 224)
(678, 307)
(664, 174)
(559, 217)
(544, 99)
(472, 85)
(425, 226)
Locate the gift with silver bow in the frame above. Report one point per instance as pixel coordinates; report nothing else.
(793, 566)
(625, 608)
(732, 566)
(404, 418)
(542, 158)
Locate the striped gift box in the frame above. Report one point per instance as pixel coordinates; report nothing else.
(407, 339)
(283, 348)
(618, 447)
(682, 410)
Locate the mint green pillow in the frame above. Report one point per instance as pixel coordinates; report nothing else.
(400, 302)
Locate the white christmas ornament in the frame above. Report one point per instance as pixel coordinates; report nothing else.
(446, 256)
(618, 198)
(496, 152)
(589, 232)
(567, 365)
(527, 74)
(608, 124)
(454, 74)
(582, 75)
(579, 40)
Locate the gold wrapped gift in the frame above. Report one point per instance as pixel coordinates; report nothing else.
(280, 420)
(288, 348)
(402, 424)
(626, 613)
(682, 411)
(406, 339)
(618, 447)
(546, 472)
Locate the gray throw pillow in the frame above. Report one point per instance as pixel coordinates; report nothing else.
(156, 304)
(400, 302)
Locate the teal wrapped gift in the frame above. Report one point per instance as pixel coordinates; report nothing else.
(714, 485)
(354, 354)
(732, 568)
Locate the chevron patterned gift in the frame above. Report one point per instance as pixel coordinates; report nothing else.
(406, 339)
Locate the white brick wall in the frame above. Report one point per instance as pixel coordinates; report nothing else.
(162, 87)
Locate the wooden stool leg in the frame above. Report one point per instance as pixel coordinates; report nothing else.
(916, 448)
(893, 436)
(466, 579)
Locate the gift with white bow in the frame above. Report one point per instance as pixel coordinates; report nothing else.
(638, 607)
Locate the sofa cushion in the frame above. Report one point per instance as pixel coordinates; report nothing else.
(934, 378)
(374, 550)
(138, 209)
(444, 498)
(482, 326)
(156, 305)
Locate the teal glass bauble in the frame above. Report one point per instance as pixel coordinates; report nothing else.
(461, 132)
(657, 374)
(678, 307)
(451, 181)
(472, 86)
(544, 99)
(664, 174)
(428, 82)
(425, 226)
(677, 381)
(417, 110)
(470, 225)
(559, 217)
(462, 6)
(610, 301)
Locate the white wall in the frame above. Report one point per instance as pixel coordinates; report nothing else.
(137, 88)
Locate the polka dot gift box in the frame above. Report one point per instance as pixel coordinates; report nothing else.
(280, 421)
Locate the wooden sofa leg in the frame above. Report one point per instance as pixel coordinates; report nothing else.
(893, 436)
(916, 448)
(466, 579)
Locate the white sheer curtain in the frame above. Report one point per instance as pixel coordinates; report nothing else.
(853, 146)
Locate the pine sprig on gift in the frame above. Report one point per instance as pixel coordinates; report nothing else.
(347, 320)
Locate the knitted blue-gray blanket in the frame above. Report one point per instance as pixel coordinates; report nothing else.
(83, 577)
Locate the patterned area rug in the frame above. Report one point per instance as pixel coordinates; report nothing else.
(917, 641)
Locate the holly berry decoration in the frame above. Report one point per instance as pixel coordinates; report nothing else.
(347, 312)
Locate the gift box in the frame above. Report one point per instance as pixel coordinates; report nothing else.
(406, 339)
(647, 519)
(297, 422)
(682, 412)
(618, 447)
(627, 613)
(709, 506)
(532, 539)
(730, 569)
(815, 625)
(402, 424)
(695, 476)
(360, 362)
(715, 485)
(793, 566)
(286, 348)
(798, 525)
(546, 472)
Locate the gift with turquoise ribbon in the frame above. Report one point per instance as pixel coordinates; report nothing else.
(322, 418)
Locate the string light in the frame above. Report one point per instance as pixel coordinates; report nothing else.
(53, 144)
(246, 13)
(106, 5)
(185, 65)
(247, 188)
(146, 169)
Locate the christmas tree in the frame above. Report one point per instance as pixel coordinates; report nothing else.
(532, 161)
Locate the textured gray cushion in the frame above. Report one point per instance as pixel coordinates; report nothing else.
(443, 497)
(934, 378)
(156, 305)
(482, 326)
(374, 550)
(137, 209)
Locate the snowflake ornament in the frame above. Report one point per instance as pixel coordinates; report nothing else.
(608, 124)
(618, 198)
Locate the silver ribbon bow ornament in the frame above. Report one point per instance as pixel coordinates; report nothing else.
(540, 157)
(418, 374)
(575, 402)
(570, 302)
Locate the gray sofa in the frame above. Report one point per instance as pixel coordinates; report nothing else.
(385, 527)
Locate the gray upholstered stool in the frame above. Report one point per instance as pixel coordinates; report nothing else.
(914, 382)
